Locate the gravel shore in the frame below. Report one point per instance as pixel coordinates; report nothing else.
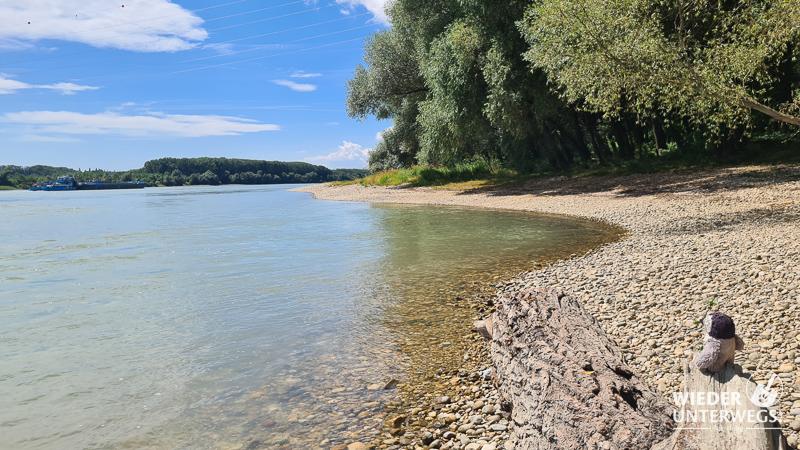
(724, 239)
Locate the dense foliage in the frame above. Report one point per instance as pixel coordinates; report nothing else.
(552, 83)
(191, 171)
(705, 62)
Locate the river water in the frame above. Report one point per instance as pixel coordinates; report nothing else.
(217, 317)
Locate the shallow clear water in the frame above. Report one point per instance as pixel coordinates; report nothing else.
(208, 317)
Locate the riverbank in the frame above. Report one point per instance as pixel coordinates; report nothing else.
(724, 239)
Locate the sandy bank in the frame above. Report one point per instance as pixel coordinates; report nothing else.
(726, 239)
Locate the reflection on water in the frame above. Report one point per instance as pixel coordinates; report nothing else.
(229, 316)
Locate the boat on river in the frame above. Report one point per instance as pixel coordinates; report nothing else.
(61, 184)
(97, 185)
(70, 184)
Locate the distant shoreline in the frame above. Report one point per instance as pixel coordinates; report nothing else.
(723, 239)
(11, 188)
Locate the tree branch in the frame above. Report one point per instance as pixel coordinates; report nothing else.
(776, 115)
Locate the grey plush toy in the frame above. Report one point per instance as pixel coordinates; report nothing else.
(720, 343)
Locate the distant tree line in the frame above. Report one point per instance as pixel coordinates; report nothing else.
(555, 83)
(215, 171)
(188, 171)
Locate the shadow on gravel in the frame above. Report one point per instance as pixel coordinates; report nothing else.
(649, 184)
(772, 215)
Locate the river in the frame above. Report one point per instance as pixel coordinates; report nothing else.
(209, 317)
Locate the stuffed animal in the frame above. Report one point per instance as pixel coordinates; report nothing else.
(720, 343)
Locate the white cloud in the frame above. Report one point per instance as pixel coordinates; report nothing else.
(9, 86)
(376, 7)
(348, 151)
(144, 26)
(379, 134)
(37, 138)
(222, 49)
(141, 106)
(296, 86)
(302, 74)
(154, 124)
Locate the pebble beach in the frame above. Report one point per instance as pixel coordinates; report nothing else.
(716, 240)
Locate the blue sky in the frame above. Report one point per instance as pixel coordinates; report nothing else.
(111, 84)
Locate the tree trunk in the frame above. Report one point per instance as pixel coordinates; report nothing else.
(638, 135)
(659, 136)
(626, 151)
(777, 116)
(589, 122)
(575, 134)
(677, 137)
(566, 380)
(561, 153)
(567, 386)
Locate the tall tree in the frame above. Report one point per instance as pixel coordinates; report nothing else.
(454, 127)
(451, 76)
(389, 86)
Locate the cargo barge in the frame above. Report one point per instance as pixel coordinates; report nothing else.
(70, 184)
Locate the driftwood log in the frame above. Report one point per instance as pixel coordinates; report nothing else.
(568, 386)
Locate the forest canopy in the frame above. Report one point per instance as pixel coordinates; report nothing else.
(554, 83)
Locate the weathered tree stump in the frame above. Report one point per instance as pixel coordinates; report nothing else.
(567, 381)
(723, 418)
(569, 388)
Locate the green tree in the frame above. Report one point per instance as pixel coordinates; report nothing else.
(453, 125)
(451, 76)
(208, 177)
(389, 86)
(5, 173)
(708, 63)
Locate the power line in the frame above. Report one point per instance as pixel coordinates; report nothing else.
(155, 40)
(293, 29)
(136, 4)
(271, 56)
(159, 17)
(254, 11)
(273, 18)
(285, 43)
(219, 43)
(223, 64)
(235, 62)
(137, 21)
(82, 13)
